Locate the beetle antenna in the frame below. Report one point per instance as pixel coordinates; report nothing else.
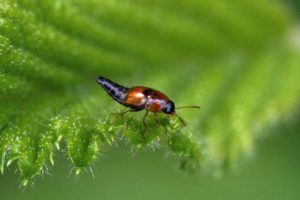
(198, 107)
(180, 118)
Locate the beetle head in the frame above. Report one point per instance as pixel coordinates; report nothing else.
(169, 108)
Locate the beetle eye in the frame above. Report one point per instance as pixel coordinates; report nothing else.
(169, 108)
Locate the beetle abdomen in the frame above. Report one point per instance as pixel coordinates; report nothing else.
(116, 91)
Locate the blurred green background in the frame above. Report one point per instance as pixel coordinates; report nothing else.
(239, 60)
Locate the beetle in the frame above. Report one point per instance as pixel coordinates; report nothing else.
(140, 98)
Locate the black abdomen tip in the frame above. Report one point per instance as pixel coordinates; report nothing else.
(116, 91)
(100, 80)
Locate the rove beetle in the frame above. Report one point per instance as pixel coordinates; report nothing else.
(139, 98)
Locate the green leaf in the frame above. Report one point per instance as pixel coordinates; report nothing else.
(238, 60)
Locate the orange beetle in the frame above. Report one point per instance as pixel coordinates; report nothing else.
(139, 98)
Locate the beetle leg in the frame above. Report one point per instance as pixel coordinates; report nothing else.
(124, 111)
(128, 110)
(156, 120)
(181, 120)
(144, 118)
